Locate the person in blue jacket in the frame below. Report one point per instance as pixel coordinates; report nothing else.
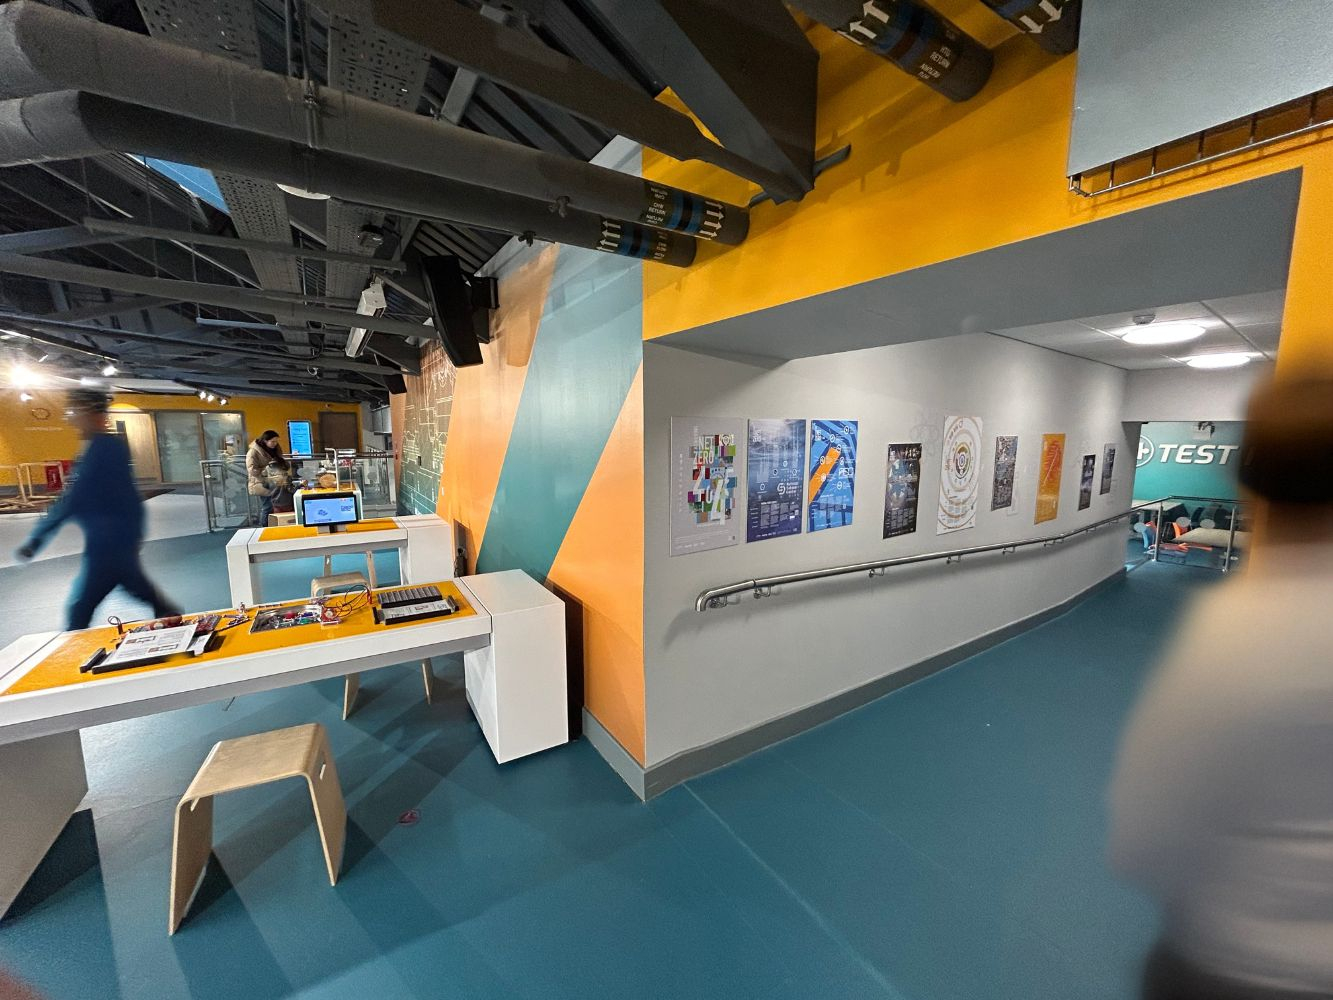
(102, 500)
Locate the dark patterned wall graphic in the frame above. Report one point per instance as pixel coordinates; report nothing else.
(425, 430)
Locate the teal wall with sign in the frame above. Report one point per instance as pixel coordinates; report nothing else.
(1183, 459)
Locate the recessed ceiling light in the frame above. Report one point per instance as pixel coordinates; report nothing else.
(1218, 360)
(1164, 333)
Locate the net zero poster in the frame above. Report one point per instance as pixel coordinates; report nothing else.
(1086, 475)
(900, 493)
(1002, 484)
(960, 475)
(704, 487)
(775, 466)
(1108, 467)
(1048, 477)
(832, 473)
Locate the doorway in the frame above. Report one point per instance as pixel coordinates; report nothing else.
(338, 430)
(137, 429)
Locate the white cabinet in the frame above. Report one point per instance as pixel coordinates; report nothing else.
(517, 686)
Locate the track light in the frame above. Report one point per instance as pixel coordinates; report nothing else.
(211, 397)
(25, 397)
(222, 401)
(202, 394)
(109, 369)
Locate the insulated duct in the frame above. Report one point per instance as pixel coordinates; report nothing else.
(44, 50)
(1052, 24)
(71, 125)
(913, 37)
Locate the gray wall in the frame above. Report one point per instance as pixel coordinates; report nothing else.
(713, 675)
(1191, 394)
(1150, 71)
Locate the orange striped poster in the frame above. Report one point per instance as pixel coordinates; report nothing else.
(1048, 477)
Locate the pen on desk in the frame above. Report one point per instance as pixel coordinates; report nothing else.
(94, 660)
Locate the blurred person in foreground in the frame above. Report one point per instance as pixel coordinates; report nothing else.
(103, 500)
(1223, 799)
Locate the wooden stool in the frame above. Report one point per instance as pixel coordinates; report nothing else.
(352, 682)
(301, 751)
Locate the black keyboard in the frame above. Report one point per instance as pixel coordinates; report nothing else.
(401, 596)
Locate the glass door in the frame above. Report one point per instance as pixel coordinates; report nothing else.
(224, 434)
(178, 445)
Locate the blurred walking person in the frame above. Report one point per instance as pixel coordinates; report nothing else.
(1223, 799)
(103, 500)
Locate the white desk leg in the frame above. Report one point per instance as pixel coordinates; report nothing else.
(42, 783)
(242, 576)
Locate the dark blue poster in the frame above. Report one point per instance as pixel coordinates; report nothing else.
(832, 473)
(775, 472)
(902, 489)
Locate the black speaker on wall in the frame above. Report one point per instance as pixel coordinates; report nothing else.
(462, 316)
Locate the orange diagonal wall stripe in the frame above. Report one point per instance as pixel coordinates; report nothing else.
(486, 398)
(601, 561)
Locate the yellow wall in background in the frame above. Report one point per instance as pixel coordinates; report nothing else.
(929, 180)
(37, 432)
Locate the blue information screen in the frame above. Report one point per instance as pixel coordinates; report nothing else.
(329, 510)
(300, 441)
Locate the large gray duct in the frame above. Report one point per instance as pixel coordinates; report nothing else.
(70, 125)
(1052, 24)
(913, 37)
(44, 50)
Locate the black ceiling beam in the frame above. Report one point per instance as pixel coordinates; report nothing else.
(745, 69)
(43, 240)
(513, 59)
(114, 307)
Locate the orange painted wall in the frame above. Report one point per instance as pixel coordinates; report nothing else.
(27, 436)
(601, 561)
(928, 181)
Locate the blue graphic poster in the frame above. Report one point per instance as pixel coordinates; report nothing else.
(775, 473)
(832, 473)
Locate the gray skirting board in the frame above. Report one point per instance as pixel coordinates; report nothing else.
(650, 781)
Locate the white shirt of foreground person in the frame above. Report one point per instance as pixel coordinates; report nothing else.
(1223, 799)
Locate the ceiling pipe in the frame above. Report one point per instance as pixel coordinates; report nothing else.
(1052, 24)
(913, 37)
(70, 125)
(134, 231)
(198, 291)
(44, 50)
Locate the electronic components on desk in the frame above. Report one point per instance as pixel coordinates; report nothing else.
(398, 596)
(400, 614)
(290, 616)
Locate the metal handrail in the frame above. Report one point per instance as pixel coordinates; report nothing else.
(717, 597)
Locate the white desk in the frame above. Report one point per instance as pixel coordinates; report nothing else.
(514, 655)
(424, 542)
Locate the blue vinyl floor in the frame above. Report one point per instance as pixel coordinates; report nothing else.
(943, 843)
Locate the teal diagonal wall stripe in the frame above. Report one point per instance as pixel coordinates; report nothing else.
(589, 346)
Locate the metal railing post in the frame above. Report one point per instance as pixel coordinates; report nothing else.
(1231, 539)
(1157, 542)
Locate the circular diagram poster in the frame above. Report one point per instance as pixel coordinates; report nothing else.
(960, 475)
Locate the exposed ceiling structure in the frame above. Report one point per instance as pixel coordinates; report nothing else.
(1240, 325)
(199, 191)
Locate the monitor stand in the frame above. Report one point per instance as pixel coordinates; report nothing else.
(328, 529)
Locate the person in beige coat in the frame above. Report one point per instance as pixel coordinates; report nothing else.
(264, 463)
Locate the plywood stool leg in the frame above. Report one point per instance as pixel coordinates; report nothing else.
(428, 678)
(326, 795)
(351, 685)
(191, 844)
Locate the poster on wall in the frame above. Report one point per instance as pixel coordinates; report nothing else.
(900, 493)
(1006, 461)
(832, 473)
(704, 487)
(1048, 477)
(960, 475)
(775, 465)
(1085, 478)
(1108, 469)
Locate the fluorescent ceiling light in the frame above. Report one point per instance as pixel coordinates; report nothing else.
(1233, 360)
(1164, 333)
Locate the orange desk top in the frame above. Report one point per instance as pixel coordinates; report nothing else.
(285, 532)
(60, 668)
